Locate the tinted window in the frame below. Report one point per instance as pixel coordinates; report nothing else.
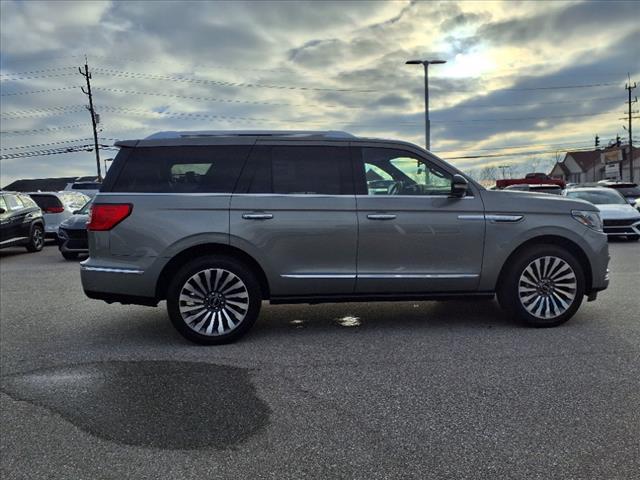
(181, 169)
(397, 172)
(46, 201)
(86, 186)
(301, 170)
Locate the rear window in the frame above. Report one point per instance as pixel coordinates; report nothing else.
(181, 169)
(46, 201)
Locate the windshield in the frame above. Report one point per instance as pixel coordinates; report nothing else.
(85, 209)
(629, 191)
(599, 197)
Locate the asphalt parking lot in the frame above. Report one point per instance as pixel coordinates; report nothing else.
(398, 390)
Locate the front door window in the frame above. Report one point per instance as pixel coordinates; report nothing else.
(394, 172)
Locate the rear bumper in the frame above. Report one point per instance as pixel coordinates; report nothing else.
(122, 282)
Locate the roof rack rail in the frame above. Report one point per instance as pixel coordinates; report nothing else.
(249, 133)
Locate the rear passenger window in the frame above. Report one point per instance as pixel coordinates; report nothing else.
(301, 170)
(181, 169)
(13, 202)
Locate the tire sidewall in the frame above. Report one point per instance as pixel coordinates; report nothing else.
(31, 245)
(508, 295)
(213, 261)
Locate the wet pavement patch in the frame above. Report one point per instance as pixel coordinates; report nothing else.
(171, 405)
(349, 321)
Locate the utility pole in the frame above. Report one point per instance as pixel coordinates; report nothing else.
(94, 121)
(630, 87)
(427, 122)
(503, 168)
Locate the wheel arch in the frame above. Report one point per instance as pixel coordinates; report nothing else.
(200, 250)
(563, 242)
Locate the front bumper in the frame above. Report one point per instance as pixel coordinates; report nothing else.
(73, 241)
(621, 228)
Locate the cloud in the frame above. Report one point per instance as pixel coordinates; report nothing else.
(314, 65)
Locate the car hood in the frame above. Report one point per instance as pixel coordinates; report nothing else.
(611, 212)
(75, 222)
(531, 202)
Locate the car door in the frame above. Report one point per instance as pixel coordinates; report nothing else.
(5, 223)
(13, 219)
(294, 212)
(413, 236)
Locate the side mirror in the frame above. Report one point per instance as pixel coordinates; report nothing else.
(2, 210)
(459, 186)
(76, 212)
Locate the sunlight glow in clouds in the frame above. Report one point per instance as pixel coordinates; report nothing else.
(245, 65)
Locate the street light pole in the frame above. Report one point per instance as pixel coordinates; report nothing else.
(427, 121)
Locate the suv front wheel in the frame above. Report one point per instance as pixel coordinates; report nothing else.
(543, 286)
(213, 300)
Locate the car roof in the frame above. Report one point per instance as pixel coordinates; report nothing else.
(247, 137)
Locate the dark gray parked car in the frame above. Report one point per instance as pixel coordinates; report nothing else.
(216, 222)
(72, 234)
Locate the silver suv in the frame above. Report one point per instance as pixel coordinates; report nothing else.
(216, 222)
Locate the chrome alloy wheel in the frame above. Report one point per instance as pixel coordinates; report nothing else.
(213, 302)
(38, 238)
(547, 287)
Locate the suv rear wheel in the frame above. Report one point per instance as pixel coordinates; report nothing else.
(213, 300)
(36, 240)
(543, 287)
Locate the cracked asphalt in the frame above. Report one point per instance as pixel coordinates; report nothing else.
(442, 390)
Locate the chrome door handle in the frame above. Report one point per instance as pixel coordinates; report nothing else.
(380, 216)
(257, 216)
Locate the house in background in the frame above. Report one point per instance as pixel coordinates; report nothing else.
(592, 166)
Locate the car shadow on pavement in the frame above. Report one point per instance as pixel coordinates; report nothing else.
(433, 315)
(142, 326)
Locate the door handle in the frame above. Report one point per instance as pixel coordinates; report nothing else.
(380, 216)
(257, 216)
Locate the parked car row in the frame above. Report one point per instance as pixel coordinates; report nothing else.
(27, 219)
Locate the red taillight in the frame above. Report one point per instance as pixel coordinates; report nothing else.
(105, 216)
(54, 210)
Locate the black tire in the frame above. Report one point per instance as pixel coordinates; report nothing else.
(217, 313)
(70, 255)
(542, 299)
(633, 238)
(36, 239)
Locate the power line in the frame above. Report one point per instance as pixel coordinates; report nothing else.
(36, 131)
(36, 77)
(558, 145)
(180, 78)
(516, 154)
(46, 90)
(49, 113)
(45, 70)
(61, 142)
(214, 99)
(500, 105)
(558, 87)
(50, 151)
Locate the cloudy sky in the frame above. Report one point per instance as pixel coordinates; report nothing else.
(524, 79)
